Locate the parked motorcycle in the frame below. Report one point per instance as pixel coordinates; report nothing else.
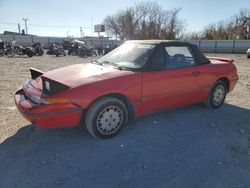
(51, 50)
(85, 51)
(38, 48)
(73, 50)
(59, 51)
(56, 49)
(8, 49)
(14, 48)
(2, 48)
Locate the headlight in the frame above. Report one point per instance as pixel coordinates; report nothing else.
(37, 99)
(51, 87)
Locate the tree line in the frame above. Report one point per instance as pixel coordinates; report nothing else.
(148, 20)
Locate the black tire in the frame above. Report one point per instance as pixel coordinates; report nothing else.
(217, 95)
(29, 53)
(106, 117)
(57, 53)
(80, 53)
(10, 53)
(248, 56)
(40, 53)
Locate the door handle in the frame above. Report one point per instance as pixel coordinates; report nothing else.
(195, 73)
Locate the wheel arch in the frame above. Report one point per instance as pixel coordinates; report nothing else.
(124, 99)
(226, 81)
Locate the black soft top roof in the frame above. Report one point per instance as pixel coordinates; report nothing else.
(199, 56)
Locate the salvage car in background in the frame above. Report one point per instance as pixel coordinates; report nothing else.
(137, 78)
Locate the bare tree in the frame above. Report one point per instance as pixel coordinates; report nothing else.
(175, 27)
(146, 20)
(239, 23)
(193, 36)
(235, 28)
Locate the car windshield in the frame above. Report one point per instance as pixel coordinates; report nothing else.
(128, 55)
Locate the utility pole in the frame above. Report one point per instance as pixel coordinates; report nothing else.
(81, 31)
(91, 26)
(26, 28)
(247, 25)
(68, 34)
(19, 29)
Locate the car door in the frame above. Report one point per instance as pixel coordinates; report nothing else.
(177, 84)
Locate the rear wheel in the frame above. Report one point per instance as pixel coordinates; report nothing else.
(217, 95)
(29, 53)
(106, 117)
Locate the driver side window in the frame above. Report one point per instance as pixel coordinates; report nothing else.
(179, 56)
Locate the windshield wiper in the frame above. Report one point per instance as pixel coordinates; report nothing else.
(108, 63)
(121, 67)
(105, 62)
(97, 62)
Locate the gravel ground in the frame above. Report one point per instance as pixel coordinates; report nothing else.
(186, 147)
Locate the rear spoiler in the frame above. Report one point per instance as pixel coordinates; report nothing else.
(221, 59)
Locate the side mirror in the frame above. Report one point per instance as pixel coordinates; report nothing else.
(158, 67)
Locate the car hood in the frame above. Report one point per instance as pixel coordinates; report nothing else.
(80, 74)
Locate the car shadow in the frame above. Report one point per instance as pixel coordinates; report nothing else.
(229, 116)
(163, 149)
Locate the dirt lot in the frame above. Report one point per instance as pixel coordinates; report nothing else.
(187, 147)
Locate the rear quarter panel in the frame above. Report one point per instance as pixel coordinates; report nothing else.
(225, 70)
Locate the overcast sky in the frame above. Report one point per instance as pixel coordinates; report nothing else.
(59, 17)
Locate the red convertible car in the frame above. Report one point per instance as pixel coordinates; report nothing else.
(137, 78)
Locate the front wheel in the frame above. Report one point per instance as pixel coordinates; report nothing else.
(10, 53)
(106, 117)
(217, 95)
